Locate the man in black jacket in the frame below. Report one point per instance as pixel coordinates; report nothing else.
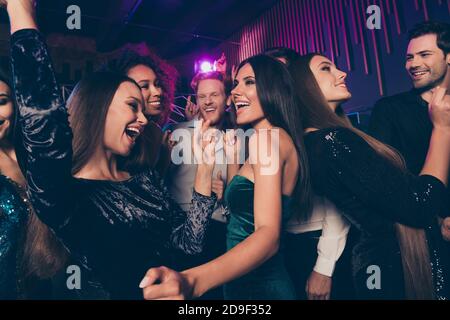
(402, 120)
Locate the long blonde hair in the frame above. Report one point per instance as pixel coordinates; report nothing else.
(317, 114)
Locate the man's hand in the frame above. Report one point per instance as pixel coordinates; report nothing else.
(191, 109)
(221, 64)
(318, 287)
(439, 108)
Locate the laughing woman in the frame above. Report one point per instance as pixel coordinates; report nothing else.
(156, 79)
(260, 197)
(114, 224)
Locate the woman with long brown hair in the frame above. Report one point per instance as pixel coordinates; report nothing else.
(113, 224)
(368, 182)
(261, 196)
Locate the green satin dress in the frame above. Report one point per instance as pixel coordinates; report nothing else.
(270, 281)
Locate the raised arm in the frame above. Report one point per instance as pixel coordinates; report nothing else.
(43, 117)
(437, 162)
(21, 14)
(262, 244)
(351, 164)
(189, 229)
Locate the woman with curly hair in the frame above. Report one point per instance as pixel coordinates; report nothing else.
(157, 80)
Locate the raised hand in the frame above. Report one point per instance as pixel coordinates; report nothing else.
(21, 14)
(24, 3)
(232, 144)
(167, 141)
(439, 108)
(204, 144)
(221, 64)
(191, 109)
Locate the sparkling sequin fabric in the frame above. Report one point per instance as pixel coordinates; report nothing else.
(13, 213)
(373, 194)
(116, 229)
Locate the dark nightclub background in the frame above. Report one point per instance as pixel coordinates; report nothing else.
(184, 31)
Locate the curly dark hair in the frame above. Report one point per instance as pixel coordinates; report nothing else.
(165, 73)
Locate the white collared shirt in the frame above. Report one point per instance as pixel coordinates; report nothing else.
(181, 178)
(334, 226)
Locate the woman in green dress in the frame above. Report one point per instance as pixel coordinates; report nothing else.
(272, 183)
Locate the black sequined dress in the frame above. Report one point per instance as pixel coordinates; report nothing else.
(116, 230)
(374, 194)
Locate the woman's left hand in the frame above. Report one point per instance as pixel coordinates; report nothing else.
(204, 145)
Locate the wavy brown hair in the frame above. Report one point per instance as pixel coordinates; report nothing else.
(44, 254)
(316, 113)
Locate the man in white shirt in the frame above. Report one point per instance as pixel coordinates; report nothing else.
(212, 90)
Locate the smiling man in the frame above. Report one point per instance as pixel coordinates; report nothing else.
(402, 120)
(212, 91)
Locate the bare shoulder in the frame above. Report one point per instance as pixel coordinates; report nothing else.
(274, 142)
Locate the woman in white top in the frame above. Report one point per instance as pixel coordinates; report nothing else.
(314, 244)
(313, 247)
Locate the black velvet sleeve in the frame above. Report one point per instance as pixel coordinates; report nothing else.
(351, 164)
(47, 137)
(188, 229)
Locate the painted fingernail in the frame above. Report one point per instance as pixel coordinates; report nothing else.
(144, 283)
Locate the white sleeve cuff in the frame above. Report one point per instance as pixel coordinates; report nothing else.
(324, 266)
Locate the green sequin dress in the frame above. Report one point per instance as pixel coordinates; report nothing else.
(14, 210)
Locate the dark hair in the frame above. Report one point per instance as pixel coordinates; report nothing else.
(212, 75)
(5, 78)
(282, 52)
(316, 113)
(276, 94)
(15, 133)
(44, 254)
(165, 73)
(440, 29)
(88, 105)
